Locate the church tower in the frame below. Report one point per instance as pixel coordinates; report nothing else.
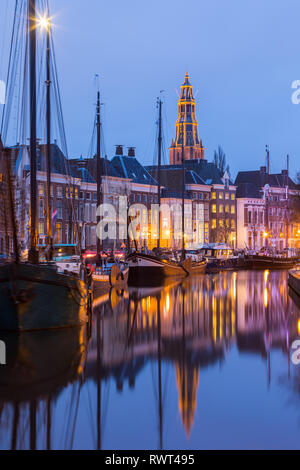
(186, 128)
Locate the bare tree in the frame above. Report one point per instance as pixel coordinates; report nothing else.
(220, 161)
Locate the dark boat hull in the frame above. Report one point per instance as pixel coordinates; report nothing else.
(38, 298)
(270, 262)
(148, 270)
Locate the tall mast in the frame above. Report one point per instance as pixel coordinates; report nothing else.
(267, 197)
(98, 157)
(48, 150)
(287, 204)
(183, 191)
(159, 170)
(33, 254)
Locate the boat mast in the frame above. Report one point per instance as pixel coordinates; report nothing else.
(159, 170)
(183, 191)
(267, 197)
(287, 205)
(33, 256)
(98, 159)
(49, 242)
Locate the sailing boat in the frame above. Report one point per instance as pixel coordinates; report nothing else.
(117, 277)
(34, 295)
(153, 269)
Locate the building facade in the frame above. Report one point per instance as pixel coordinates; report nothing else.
(266, 214)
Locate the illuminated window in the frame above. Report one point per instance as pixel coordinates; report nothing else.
(213, 223)
(58, 232)
(40, 190)
(232, 210)
(233, 224)
(214, 208)
(59, 191)
(41, 228)
(232, 196)
(221, 208)
(214, 195)
(220, 195)
(227, 208)
(221, 223)
(226, 195)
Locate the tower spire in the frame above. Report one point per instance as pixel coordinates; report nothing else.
(186, 134)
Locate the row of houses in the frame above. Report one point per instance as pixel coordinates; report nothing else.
(255, 210)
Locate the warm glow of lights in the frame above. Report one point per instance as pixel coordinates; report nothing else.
(168, 303)
(266, 275)
(266, 297)
(43, 22)
(265, 234)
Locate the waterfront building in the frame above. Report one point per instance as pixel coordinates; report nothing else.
(266, 210)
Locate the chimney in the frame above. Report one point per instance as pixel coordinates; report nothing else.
(131, 151)
(119, 149)
(263, 169)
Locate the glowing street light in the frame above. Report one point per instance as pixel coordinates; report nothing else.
(44, 22)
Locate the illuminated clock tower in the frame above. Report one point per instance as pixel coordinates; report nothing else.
(186, 138)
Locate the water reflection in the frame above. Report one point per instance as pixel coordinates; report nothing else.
(157, 346)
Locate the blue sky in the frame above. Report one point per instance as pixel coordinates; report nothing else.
(242, 57)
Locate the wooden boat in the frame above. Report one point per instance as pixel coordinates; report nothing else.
(36, 295)
(150, 270)
(270, 262)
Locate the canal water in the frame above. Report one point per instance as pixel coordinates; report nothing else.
(205, 364)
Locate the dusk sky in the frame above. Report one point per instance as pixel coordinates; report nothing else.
(242, 58)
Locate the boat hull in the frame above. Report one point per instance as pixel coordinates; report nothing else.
(147, 270)
(38, 298)
(270, 262)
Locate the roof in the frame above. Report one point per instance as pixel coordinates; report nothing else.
(86, 168)
(59, 163)
(130, 168)
(206, 171)
(250, 183)
(171, 178)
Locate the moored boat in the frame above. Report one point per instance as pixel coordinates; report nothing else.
(149, 269)
(265, 261)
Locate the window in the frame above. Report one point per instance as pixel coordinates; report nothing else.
(58, 232)
(59, 209)
(59, 191)
(221, 223)
(232, 196)
(220, 195)
(41, 209)
(75, 193)
(214, 195)
(226, 195)
(214, 209)
(232, 210)
(88, 195)
(227, 208)
(144, 198)
(138, 198)
(41, 228)
(221, 208)
(41, 190)
(81, 195)
(214, 223)
(95, 197)
(233, 224)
